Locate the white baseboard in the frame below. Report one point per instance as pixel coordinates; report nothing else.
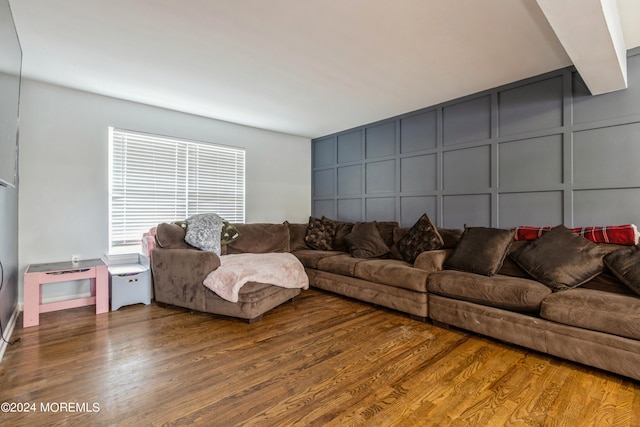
(8, 330)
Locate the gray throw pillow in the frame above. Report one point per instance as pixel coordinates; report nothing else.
(365, 241)
(481, 250)
(560, 259)
(625, 264)
(203, 232)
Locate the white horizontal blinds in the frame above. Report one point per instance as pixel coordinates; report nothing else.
(148, 185)
(156, 179)
(215, 179)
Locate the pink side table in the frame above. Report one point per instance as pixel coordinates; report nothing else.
(37, 275)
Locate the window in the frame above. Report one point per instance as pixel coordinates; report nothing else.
(154, 179)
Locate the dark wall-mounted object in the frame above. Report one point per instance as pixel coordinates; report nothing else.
(10, 73)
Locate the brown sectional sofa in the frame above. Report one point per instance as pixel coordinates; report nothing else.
(597, 324)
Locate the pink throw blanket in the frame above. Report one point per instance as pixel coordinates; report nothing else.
(279, 269)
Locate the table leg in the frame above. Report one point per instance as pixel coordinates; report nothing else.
(31, 313)
(102, 289)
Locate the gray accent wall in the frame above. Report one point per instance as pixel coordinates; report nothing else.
(542, 151)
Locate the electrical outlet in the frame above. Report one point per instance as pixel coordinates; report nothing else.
(75, 257)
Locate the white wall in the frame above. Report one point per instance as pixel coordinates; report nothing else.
(64, 172)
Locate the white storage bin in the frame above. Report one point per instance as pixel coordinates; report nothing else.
(129, 280)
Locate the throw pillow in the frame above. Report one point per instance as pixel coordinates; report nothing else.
(342, 229)
(625, 264)
(365, 241)
(423, 236)
(320, 234)
(229, 233)
(203, 232)
(481, 250)
(560, 259)
(182, 224)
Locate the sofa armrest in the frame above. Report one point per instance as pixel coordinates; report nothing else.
(432, 261)
(178, 274)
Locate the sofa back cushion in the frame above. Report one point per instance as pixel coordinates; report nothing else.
(296, 236)
(450, 237)
(398, 233)
(260, 238)
(342, 230)
(385, 228)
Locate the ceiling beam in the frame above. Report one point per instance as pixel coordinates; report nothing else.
(591, 34)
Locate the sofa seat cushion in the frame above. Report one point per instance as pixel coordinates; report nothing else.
(310, 257)
(339, 264)
(414, 303)
(392, 272)
(601, 311)
(509, 293)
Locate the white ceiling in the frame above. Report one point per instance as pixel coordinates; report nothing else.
(303, 67)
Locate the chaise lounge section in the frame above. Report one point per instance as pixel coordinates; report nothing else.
(180, 269)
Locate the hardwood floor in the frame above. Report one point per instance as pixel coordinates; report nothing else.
(321, 360)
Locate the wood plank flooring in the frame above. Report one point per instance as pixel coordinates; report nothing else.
(322, 360)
